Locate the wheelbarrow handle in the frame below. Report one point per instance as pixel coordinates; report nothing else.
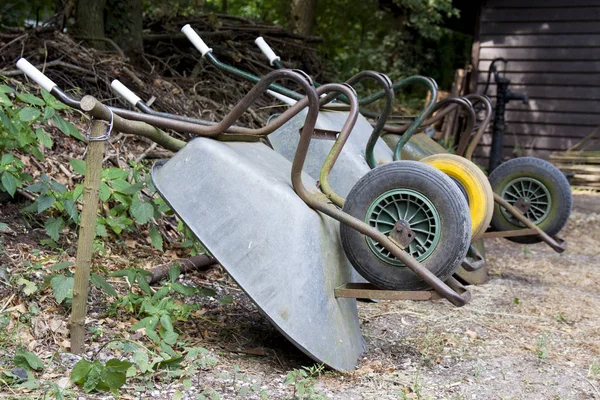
(35, 74)
(556, 243)
(267, 51)
(196, 40)
(125, 92)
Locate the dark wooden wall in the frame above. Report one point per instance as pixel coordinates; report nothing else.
(553, 48)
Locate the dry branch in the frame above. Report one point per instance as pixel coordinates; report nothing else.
(200, 262)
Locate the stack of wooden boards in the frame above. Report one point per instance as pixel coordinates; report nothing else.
(581, 162)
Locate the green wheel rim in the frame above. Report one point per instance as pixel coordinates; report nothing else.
(533, 192)
(411, 206)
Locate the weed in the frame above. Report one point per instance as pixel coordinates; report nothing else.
(303, 382)
(541, 349)
(594, 369)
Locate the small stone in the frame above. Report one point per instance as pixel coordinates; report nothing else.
(471, 334)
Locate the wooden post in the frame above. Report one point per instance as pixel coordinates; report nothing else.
(87, 232)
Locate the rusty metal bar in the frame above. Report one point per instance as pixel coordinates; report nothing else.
(370, 291)
(484, 123)
(511, 233)
(558, 244)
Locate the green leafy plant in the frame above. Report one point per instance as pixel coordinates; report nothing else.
(303, 382)
(22, 118)
(99, 376)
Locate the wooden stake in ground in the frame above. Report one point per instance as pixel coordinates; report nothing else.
(87, 232)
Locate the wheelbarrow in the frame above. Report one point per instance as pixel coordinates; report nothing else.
(355, 161)
(538, 192)
(293, 265)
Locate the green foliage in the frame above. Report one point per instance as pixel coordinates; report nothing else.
(398, 37)
(303, 382)
(159, 310)
(27, 360)
(97, 376)
(15, 12)
(22, 117)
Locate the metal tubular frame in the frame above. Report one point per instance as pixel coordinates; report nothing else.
(453, 291)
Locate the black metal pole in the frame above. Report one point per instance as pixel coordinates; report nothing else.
(498, 128)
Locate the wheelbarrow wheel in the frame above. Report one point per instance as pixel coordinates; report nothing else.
(425, 199)
(537, 188)
(474, 185)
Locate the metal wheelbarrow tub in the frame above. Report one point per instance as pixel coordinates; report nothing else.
(238, 200)
(351, 164)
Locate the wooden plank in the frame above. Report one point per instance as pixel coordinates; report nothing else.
(540, 53)
(524, 129)
(529, 142)
(540, 3)
(581, 106)
(589, 40)
(549, 92)
(516, 28)
(546, 78)
(482, 154)
(547, 66)
(545, 14)
(549, 117)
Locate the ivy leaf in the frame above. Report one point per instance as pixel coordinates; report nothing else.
(102, 283)
(53, 226)
(9, 182)
(28, 114)
(27, 360)
(141, 211)
(62, 286)
(44, 202)
(30, 99)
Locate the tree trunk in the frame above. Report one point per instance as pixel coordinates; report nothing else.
(90, 21)
(124, 26)
(303, 16)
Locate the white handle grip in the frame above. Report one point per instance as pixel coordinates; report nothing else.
(284, 99)
(35, 74)
(195, 39)
(267, 50)
(127, 94)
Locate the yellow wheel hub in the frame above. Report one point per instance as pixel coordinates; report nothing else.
(475, 184)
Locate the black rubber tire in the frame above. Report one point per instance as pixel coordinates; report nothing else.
(441, 191)
(551, 177)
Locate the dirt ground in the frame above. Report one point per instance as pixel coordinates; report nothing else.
(531, 332)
